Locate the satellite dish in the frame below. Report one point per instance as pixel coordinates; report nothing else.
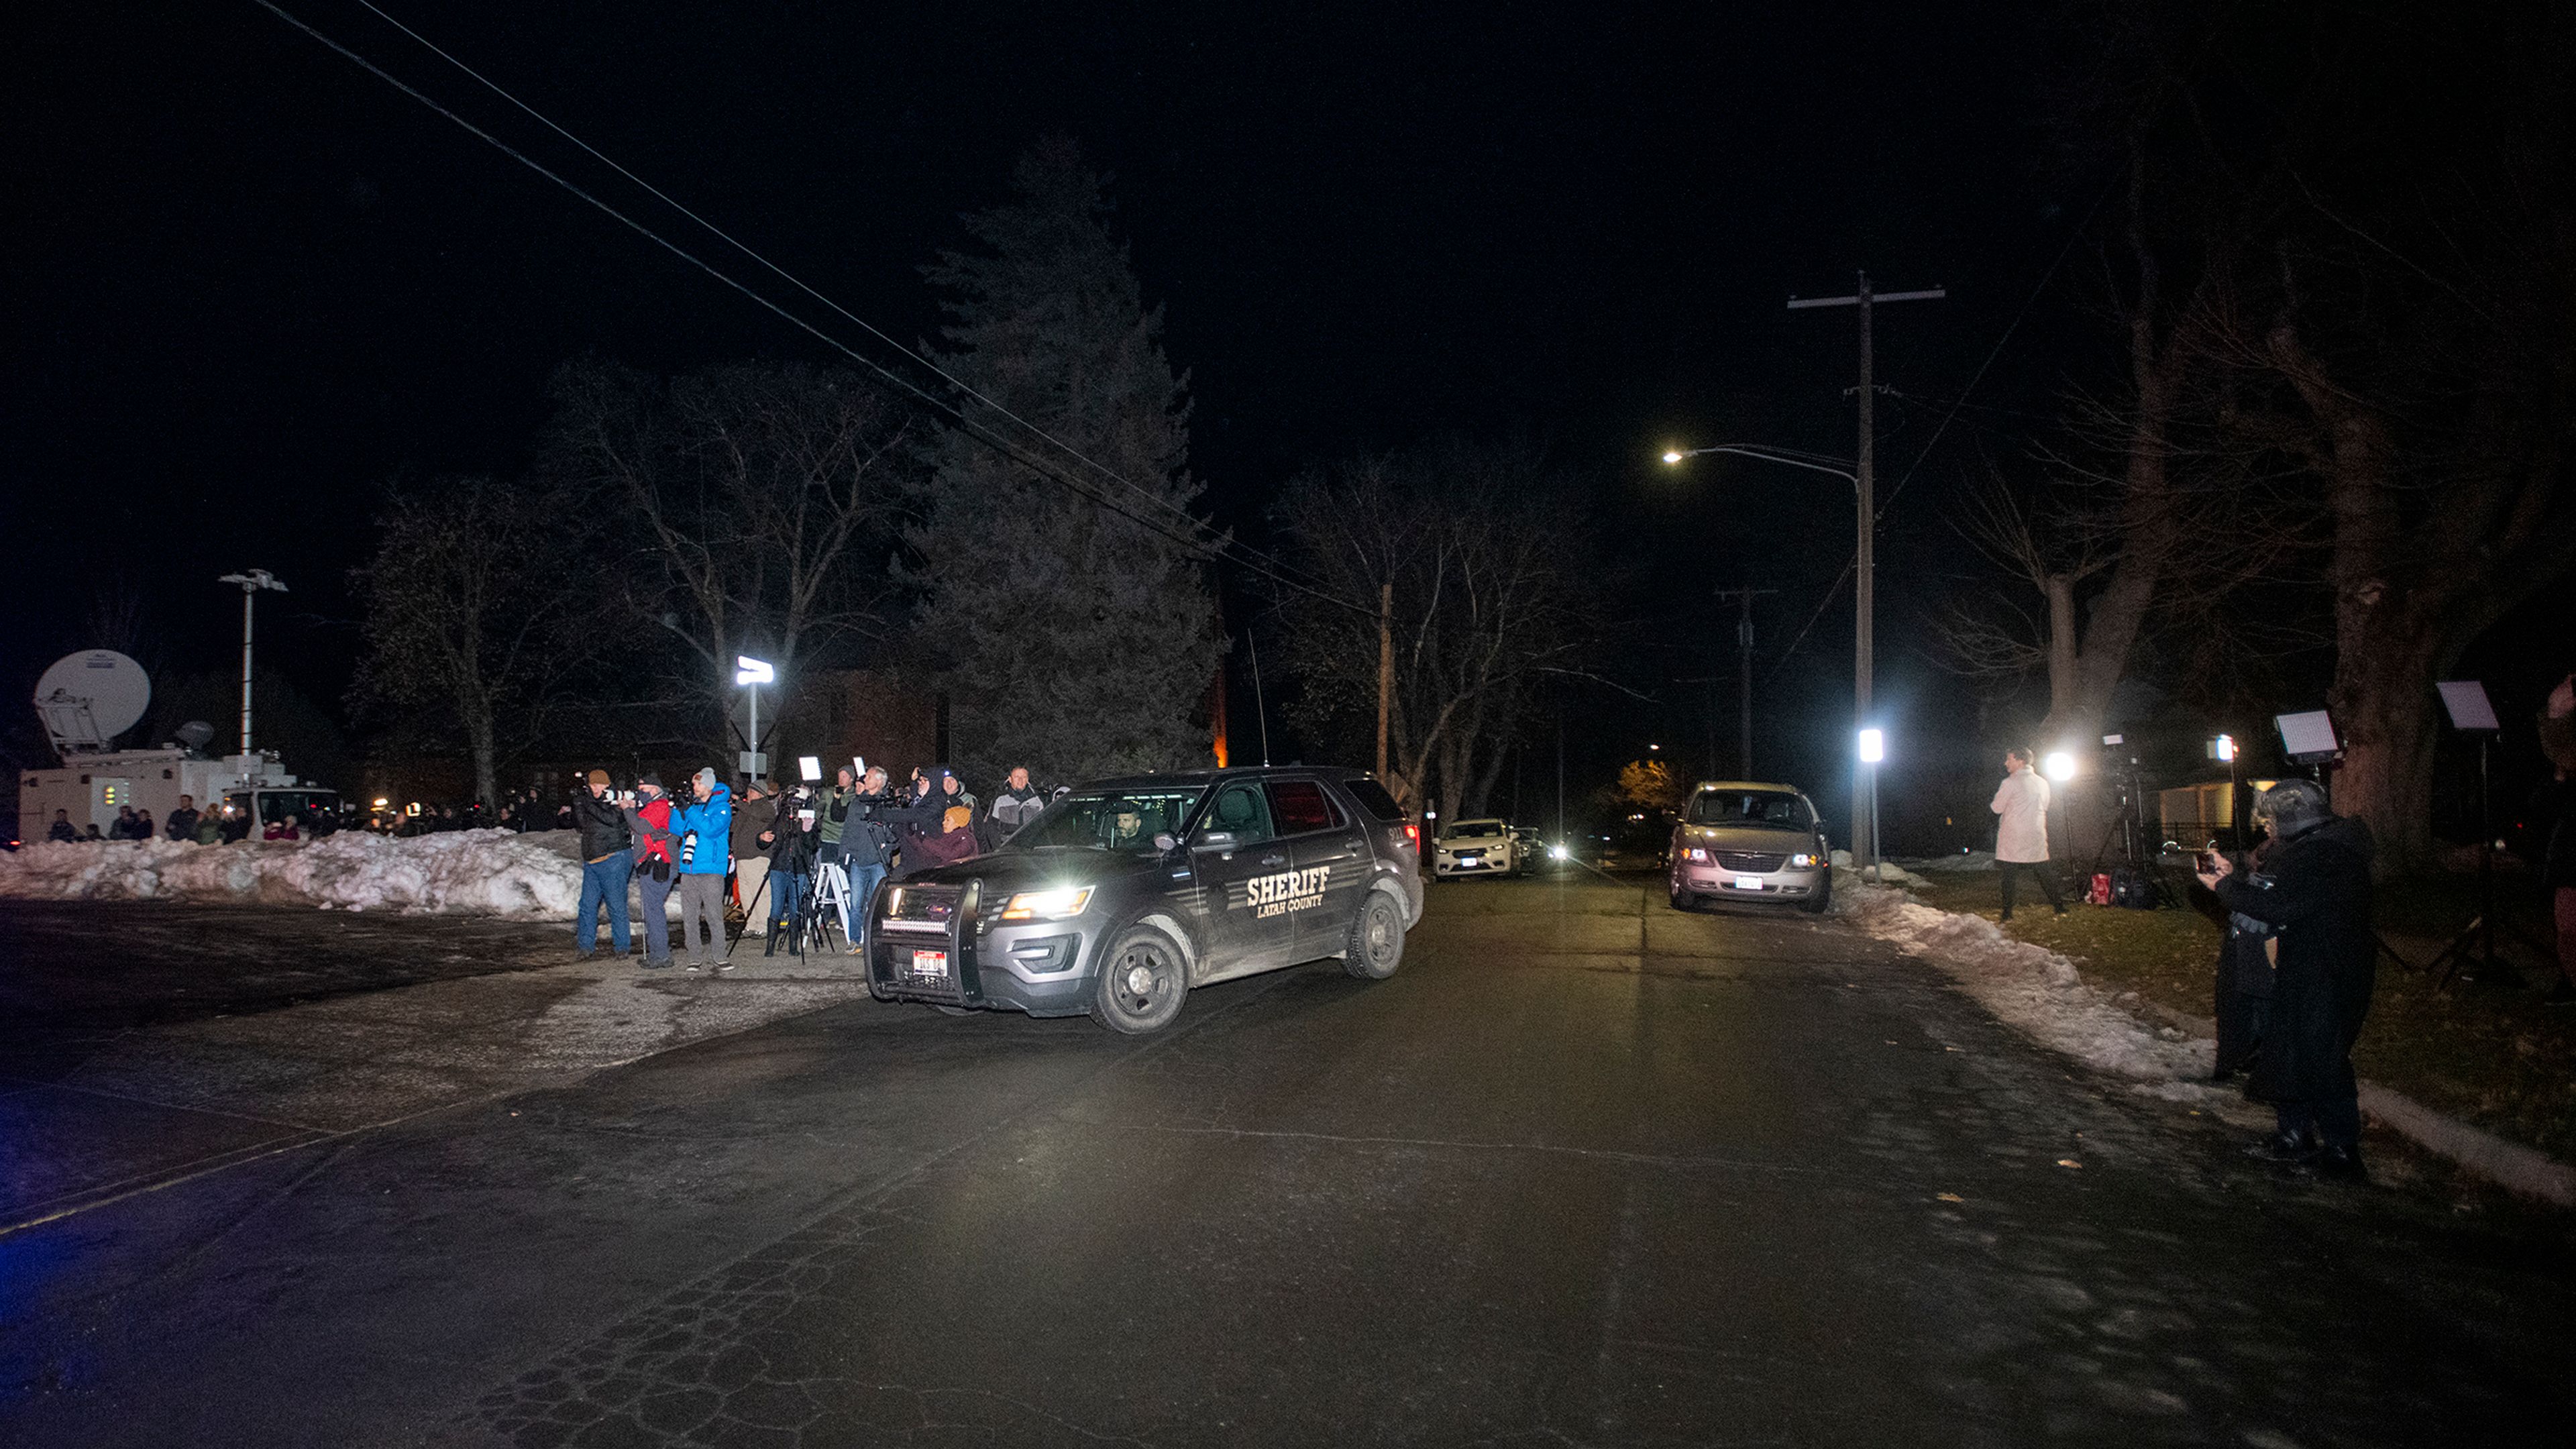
(196, 733)
(90, 698)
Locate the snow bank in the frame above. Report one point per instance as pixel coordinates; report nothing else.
(1888, 872)
(2039, 993)
(2032, 989)
(1962, 861)
(471, 872)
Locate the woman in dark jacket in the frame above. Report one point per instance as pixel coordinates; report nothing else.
(790, 842)
(2314, 892)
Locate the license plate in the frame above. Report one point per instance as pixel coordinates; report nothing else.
(1748, 882)
(1471, 857)
(929, 963)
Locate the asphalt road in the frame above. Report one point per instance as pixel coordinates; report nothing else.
(1585, 1172)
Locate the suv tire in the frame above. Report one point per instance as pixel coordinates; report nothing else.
(1376, 946)
(1683, 900)
(1143, 981)
(1815, 905)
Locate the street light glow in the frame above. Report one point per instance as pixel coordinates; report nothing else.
(1672, 455)
(2059, 765)
(747, 670)
(2223, 748)
(1873, 746)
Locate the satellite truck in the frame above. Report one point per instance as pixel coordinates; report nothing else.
(86, 700)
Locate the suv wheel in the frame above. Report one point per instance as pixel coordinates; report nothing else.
(1815, 905)
(1683, 900)
(1143, 981)
(1377, 939)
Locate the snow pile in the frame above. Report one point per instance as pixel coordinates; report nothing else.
(1961, 861)
(472, 872)
(2031, 989)
(1888, 872)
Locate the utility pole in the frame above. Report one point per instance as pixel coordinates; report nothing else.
(1744, 675)
(251, 585)
(1864, 783)
(1385, 674)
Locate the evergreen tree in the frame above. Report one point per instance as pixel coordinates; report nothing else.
(1073, 638)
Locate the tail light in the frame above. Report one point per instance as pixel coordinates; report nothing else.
(1413, 834)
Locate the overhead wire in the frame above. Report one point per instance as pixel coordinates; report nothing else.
(801, 285)
(1835, 589)
(972, 427)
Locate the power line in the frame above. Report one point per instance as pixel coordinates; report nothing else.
(974, 429)
(800, 284)
(1961, 401)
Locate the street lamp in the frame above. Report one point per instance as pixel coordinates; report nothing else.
(1873, 750)
(754, 673)
(251, 584)
(1864, 794)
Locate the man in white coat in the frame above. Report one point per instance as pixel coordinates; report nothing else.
(2021, 829)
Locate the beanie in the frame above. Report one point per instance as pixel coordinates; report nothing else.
(649, 778)
(599, 777)
(706, 777)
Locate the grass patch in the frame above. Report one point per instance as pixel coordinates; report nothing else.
(2487, 1052)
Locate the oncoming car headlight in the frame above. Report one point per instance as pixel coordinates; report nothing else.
(1050, 905)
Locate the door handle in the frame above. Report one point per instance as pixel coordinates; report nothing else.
(1274, 860)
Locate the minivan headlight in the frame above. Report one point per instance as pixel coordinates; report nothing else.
(1698, 855)
(1048, 905)
(1802, 862)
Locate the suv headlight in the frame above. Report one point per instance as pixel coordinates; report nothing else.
(1049, 905)
(1697, 854)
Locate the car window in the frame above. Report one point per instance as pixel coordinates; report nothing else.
(1242, 811)
(1749, 807)
(1299, 806)
(1476, 829)
(1374, 799)
(1108, 820)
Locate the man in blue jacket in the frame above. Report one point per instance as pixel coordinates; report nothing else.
(705, 830)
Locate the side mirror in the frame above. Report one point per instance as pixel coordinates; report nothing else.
(1207, 840)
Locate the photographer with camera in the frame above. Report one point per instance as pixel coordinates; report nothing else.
(656, 865)
(705, 828)
(790, 842)
(2313, 891)
(607, 865)
(867, 848)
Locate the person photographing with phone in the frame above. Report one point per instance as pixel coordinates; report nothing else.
(2313, 892)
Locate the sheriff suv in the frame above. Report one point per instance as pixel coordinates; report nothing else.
(1125, 894)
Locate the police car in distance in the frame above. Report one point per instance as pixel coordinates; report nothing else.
(1124, 895)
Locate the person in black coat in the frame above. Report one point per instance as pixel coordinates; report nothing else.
(2314, 892)
(2244, 985)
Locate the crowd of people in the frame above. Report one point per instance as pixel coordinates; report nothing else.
(772, 842)
(216, 825)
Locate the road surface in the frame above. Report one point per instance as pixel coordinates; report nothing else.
(1587, 1171)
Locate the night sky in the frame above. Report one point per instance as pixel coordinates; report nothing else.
(251, 283)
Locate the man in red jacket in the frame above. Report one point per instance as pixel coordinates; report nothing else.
(655, 866)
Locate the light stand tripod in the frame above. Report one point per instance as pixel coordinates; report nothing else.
(2129, 825)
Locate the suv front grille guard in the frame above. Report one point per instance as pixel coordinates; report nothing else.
(939, 919)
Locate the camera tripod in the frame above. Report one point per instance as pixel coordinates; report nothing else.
(2129, 828)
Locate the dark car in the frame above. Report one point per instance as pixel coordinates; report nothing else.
(1125, 894)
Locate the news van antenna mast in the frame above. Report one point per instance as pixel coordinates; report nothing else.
(251, 584)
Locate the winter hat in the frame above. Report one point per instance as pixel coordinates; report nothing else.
(705, 777)
(648, 778)
(599, 777)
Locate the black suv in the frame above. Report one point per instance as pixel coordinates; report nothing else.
(1125, 894)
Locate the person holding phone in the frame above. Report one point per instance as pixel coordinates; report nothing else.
(2021, 829)
(2314, 893)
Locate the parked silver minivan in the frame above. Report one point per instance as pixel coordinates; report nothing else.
(1740, 840)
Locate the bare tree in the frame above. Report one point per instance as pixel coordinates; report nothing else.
(1493, 603)
(481, 616)
(755, 495)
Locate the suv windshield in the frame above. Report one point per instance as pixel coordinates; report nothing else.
(1126, 820)
(1473, 829)
(1749, 807)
